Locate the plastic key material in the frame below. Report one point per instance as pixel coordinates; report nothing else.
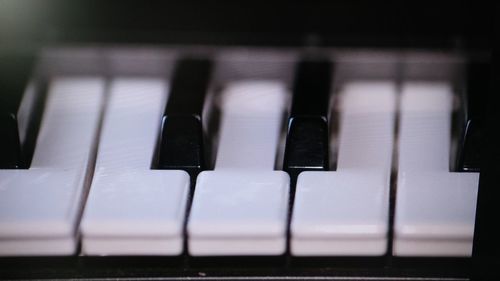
(307, 145)
(182, 140)
(240, 208)
(21, 102)
(478, 86)
(132, 209)
(435, 208)
(346, 212)
(40, 206)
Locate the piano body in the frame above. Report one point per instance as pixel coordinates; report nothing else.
(231, 141)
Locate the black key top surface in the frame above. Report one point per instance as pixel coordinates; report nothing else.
(181, 142)
(15, 73)
(307, 145)
(477, 88)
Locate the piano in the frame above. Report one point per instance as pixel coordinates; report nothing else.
(248, 141)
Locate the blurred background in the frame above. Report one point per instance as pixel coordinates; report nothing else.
(416, 24)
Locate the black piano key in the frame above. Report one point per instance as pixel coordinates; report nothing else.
(181, 142)
(470, 156)
(307, 145)
(476, 88)
(15, 75)
(486, 248)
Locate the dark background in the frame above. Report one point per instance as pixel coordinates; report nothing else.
(412, 23)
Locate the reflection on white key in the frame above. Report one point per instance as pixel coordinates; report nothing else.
(240, 208)
(39, 207)
(345, 212)
(435, 208)
(131, 209)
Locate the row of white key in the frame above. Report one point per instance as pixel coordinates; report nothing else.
(241, 207)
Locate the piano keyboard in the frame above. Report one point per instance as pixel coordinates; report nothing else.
(237, 152)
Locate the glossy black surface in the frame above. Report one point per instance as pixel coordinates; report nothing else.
(307, 142)
(15, 73)
(181, 142)
(470, 156)
(477, 87)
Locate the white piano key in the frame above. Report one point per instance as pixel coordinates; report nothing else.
(131, 209)
(346, 212)
(39, 207)
(250, 128)
(435, 208)
(240, 208)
